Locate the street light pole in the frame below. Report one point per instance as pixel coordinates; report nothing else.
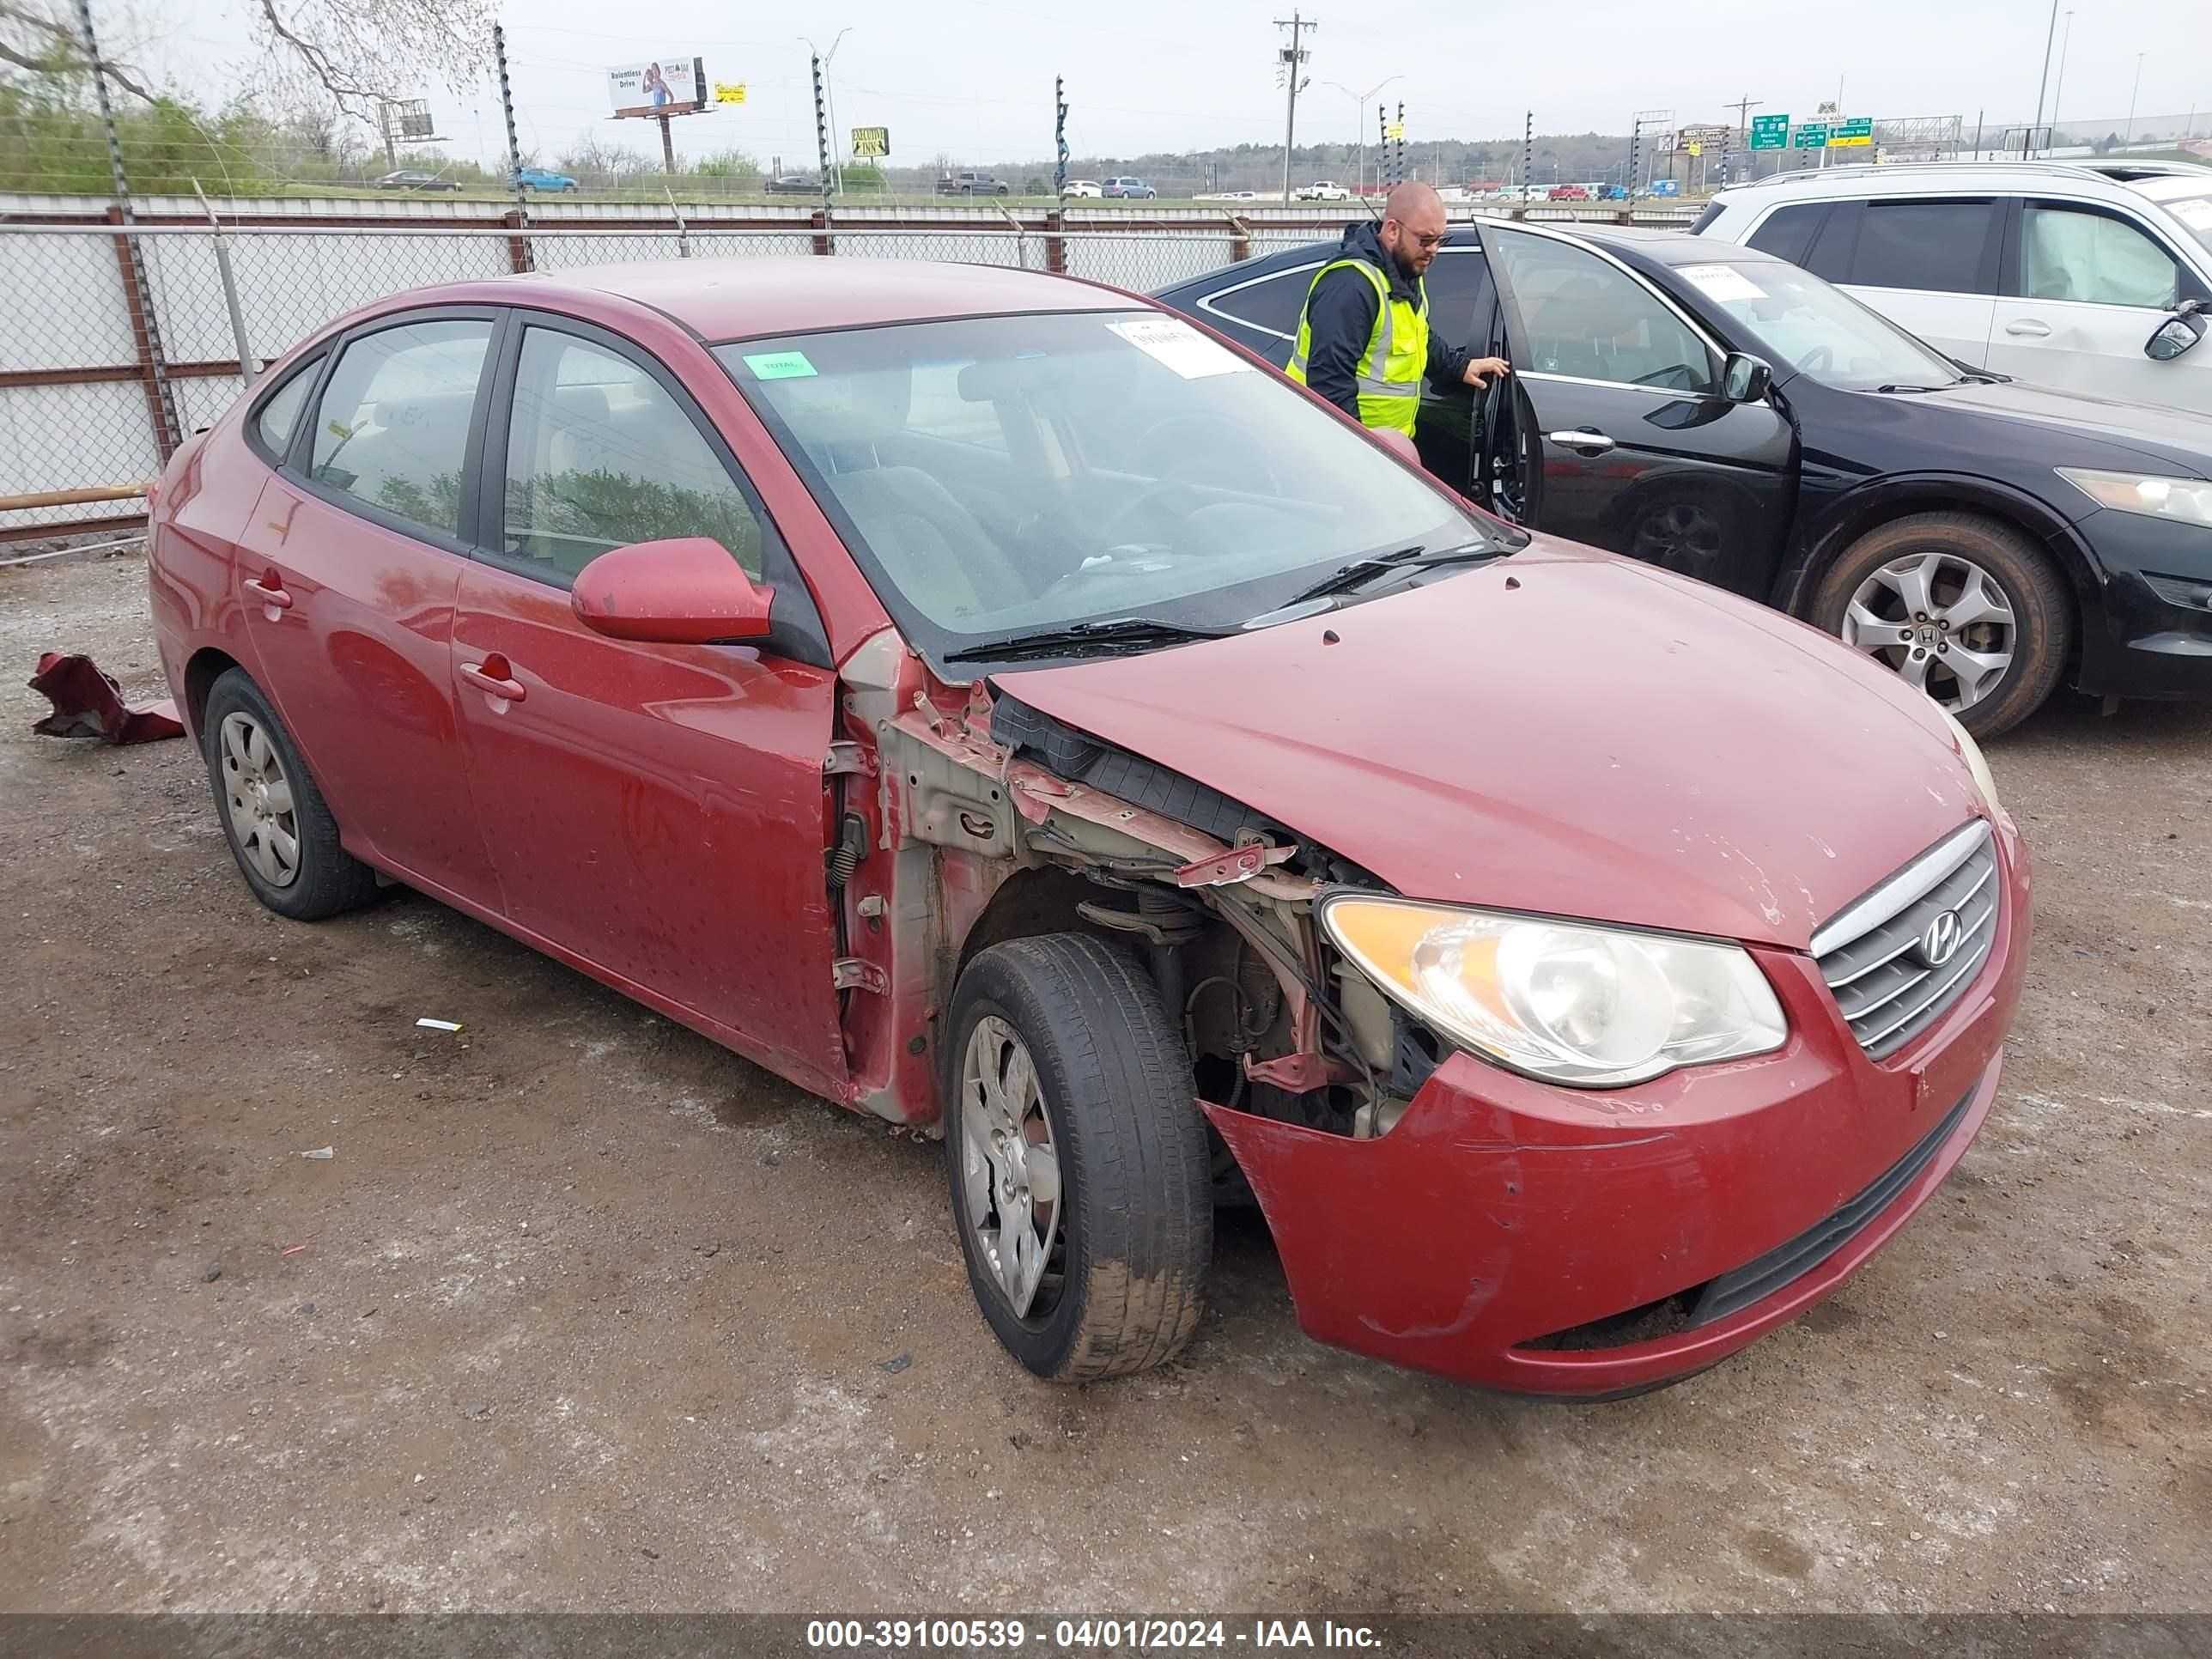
(829, 94)
(2065, 43)
(2132, 92)
(2043, 83)
(1360, 98)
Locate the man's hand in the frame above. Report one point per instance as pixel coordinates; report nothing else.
(1476, 373)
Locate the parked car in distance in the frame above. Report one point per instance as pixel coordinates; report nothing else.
(1079, 187)
(2096, 277)
(1128, 190)
(414, 178)
(543, 178)
(792, 184)
(1323, 190)
(988, 702)
(970, 184)
(1567, 193)
(1719, 412)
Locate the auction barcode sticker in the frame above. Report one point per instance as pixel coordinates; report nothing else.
(1180, 346)
(1721, 283)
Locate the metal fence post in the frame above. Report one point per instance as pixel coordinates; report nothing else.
(1056, 242)
(246, 360)
(1239, 243)
(823, 244)
(683, 230)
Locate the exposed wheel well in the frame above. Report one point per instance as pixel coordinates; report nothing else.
(207, 667)
(1028, 903)
(1802, 579)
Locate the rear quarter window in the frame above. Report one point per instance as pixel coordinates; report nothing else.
(1788, 232)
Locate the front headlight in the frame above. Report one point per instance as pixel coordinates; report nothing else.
(1596, 1007)
(2188, 500)
(1971, 752)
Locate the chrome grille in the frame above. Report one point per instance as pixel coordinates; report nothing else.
(1873, 955)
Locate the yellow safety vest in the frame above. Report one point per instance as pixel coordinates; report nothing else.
(1397, 355)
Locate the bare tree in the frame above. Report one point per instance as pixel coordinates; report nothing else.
(354, 53)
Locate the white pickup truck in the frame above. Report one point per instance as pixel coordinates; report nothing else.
(1323, 190)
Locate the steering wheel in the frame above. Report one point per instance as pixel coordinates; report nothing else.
(1108, 533)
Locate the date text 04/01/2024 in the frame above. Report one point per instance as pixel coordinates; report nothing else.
(1072, 1634)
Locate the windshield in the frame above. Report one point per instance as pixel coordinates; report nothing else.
(1816, 330)
(2195, 213)
(1003, 474)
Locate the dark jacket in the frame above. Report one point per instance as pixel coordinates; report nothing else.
(1341, 312)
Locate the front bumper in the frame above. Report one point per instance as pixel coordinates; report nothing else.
(2145, 645)
(1532, 1238)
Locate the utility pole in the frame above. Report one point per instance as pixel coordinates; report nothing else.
(2049, 34)
(1743, 107)
(1059, 136)
(1293, 60)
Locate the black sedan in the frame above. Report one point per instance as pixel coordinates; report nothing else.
(1718, 411)
(414, 178)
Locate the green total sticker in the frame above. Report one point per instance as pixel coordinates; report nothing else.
(780, 366)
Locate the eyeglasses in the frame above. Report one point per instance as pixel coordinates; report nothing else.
(1425, 243)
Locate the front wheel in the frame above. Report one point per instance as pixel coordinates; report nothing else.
(1963, 607)
(1078, 1158)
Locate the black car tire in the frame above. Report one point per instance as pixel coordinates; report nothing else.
(329, 879)
(2042, 607)
(1136, 1222)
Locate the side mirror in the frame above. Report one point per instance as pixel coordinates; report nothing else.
(688, 591)
(2176, 335)
(1745, 378)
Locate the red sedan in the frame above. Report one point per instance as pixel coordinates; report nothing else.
(993, 703)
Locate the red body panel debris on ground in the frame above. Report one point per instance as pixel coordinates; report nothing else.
(90, 704)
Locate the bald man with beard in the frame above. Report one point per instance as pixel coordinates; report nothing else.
(1364, 341)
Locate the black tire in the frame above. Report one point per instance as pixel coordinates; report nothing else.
(2042, 606)
(1136, 1221)
(327, 879)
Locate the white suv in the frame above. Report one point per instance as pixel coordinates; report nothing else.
(2094, 277)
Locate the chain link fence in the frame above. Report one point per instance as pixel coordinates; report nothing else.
(121, 340)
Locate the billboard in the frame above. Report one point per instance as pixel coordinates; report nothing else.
(666, 86)
(871, 143)
(409, 119)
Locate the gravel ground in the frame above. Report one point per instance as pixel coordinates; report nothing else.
(583, 1312)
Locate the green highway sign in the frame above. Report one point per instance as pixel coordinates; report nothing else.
(1857, 130)
(1770, 132)
(1813, 135)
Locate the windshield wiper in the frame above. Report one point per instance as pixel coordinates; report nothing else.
(1895, 386)
(1113, 634)
(1346, 577)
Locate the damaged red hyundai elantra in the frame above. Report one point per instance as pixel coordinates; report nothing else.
(994, 704)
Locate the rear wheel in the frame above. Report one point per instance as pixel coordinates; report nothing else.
(1077, 1160)
(282, 835)
(1966, 609)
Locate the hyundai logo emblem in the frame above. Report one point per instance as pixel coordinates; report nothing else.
(1940, 942)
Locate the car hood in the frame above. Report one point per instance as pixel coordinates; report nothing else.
(2177, 439)
(1561, 732)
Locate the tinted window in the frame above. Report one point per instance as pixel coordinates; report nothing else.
(599, 454)
(1586, 318)
(1459, 297)
(1273, 303)
(1934, 246)
(393, 423)
(2066, 254)
(1787, 233)
(280, 412)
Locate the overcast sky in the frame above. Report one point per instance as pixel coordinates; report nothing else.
(973, 78)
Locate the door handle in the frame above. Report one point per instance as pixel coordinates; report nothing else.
(269, 588)
(1582, 439)
(2028, 328)
(494, 678)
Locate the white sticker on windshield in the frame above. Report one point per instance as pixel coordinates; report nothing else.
(2197, 215)
(1180, 346)
(1721, 283)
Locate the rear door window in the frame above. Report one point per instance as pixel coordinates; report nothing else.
(391, 430)
(1269, 304)
(1938, 247)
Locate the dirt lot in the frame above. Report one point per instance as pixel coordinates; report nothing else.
(592, 1314)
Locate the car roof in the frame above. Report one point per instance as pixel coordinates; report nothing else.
(745, 298)
(2111, 178)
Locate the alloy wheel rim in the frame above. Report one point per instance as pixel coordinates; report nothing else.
(258, 796)
(1941, 622)
(1010, 1167)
